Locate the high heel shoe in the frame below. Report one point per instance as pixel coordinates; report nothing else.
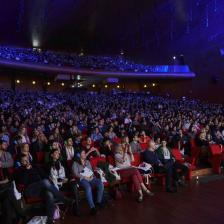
(140, 198)
(148, 192)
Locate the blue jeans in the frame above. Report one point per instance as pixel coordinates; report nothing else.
(87, 185)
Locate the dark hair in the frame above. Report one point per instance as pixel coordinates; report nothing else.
(2, 141)
(53, 151)
(77, 157)
(22, 156)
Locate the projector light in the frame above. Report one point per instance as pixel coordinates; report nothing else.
(35, 43)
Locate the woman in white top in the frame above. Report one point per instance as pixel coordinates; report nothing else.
(23, 134)
(69, 149)
(60, 178)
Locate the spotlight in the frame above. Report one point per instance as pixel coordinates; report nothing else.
(153, 84)
(78, 77)
(81, 53)
(118, 86)
(48, 83)
(18, 81)
(33, 82)
(93, 85)
(62, 84)
(174, 57)
(73, 86)
(35, 43)
(145, 86)
(106, 86)
(80, 85)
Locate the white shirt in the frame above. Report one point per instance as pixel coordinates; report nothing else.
(122, 164)
(166, 153)
(70, 153)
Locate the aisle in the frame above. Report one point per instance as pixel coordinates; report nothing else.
(197, 204)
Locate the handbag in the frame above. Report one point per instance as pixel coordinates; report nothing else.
(113, 170)
(57, 213)
(145, 168)
(17, 195)
(101, 174)
(38, 220)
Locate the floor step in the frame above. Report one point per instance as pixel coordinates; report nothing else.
(202, 172)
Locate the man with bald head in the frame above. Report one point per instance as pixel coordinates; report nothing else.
(151, 157)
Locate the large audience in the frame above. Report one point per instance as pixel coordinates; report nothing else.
(71, 130)
(92, 62)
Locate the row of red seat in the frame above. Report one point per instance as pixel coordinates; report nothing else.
(216, 158)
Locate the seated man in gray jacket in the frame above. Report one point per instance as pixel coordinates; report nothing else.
(135, 146)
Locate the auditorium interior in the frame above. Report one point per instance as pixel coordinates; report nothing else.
(111, 111)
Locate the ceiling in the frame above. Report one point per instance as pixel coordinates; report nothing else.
(150, 31)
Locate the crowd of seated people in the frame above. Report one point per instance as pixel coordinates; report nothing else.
(92, 62)
(50, 140)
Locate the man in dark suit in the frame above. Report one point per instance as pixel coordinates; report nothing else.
(37, 184)
(151, 157)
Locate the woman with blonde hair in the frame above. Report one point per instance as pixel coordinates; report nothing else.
(123, 159)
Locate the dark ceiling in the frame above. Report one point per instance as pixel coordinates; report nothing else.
(150, 31)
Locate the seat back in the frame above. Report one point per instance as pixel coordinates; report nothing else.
(177, 154)
(95, 160)
(215, 149)
(195, 153)
(117, 140)
(40, 157)
(137, 159)
(69, 164)
(110, 160)
(143, 146)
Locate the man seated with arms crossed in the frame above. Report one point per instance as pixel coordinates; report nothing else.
(150, 156)
(37, 184)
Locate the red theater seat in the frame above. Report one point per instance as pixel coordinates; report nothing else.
(143, 146)
(137, 159)
(179, 158)
(195, 153)
(69, 164)
(40, 157)
(216, 149)
(95, 160)
(216, 158)
(110, 160)
(177, 155)
(117, 140)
